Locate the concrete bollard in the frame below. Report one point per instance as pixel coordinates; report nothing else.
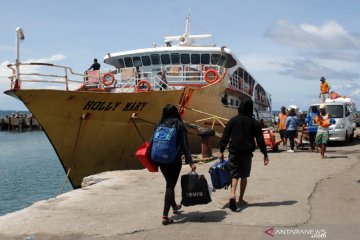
(206, 146)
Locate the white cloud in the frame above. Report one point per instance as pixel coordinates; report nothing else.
(329, 35)
(53, 58)
(345, 56)
(308, 69)
(257, 62)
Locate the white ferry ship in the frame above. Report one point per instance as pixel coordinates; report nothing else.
(96, 121)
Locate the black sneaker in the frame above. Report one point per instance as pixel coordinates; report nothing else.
(232, 204)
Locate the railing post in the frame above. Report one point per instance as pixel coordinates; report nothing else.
(66, 80)
(19, 36)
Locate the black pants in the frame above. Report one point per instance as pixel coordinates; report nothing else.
(171, 174)
(291, 136)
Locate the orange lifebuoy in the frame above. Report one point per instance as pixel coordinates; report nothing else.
(211, 75)
(105, 79)
(139, 85)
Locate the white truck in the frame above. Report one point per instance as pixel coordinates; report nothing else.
(343, 111)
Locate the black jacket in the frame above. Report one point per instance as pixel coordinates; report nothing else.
(241, 131)
(182, 142)
(95, 66)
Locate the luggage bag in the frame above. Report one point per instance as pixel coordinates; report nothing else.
(220, 176)
(194, 189)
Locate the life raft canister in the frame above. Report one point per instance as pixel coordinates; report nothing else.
(108, 79)
(139, 86)
(211, 75)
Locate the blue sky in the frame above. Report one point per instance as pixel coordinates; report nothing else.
(286, 45)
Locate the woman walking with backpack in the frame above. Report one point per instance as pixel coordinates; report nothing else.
(168, 143)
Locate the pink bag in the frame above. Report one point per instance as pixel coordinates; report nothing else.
(143, 154)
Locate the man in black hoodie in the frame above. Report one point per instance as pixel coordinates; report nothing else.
(241, 131)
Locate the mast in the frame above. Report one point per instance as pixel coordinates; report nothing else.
(187, 27)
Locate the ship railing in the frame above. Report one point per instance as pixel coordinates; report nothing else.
(126, 79)
(175, 76)
(240, 84)
(26, 76)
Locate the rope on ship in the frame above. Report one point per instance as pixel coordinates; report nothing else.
(211, 116)
(135, 117)
(83, 117)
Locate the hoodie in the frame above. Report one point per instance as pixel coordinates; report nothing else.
(242, 130)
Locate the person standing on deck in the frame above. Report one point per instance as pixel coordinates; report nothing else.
(95, 65)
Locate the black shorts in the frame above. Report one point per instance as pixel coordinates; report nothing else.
(282, 133)
(240, 165)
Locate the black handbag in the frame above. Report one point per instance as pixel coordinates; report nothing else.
(194, 189)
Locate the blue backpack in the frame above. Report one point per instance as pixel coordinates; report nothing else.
(163, 149)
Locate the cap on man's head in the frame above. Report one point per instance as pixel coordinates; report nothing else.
(322, 106)
(95, 60)
(322, 79)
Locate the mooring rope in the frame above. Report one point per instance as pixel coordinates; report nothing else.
(135, 117)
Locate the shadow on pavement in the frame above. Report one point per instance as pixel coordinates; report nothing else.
(262, 204)
(334, 157)
(202, 217)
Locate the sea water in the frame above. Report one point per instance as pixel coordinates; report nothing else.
(29, 170)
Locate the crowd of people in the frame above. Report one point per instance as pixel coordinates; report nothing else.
(316, 124)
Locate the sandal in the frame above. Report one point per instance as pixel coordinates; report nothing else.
(166, 220)
(176, 209)
(232, 204)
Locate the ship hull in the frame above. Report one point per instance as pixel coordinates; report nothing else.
(94, 132)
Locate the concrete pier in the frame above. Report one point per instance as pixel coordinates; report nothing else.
(295, 191)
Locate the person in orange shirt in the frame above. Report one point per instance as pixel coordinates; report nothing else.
(281, 124)
(324, 90)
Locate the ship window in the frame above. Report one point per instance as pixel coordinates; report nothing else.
(155, 59)
(215, 58)
(205, 58)
(246, 76)
(121, 63)
(195, 58)
(222, 61)
(146, 60)
(165, 59)
(175, 58)
(241, 73)
(128, 62)
(137, 61)
(185, 58)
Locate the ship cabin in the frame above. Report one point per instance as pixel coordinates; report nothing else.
(168, 68)
(163, 68)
